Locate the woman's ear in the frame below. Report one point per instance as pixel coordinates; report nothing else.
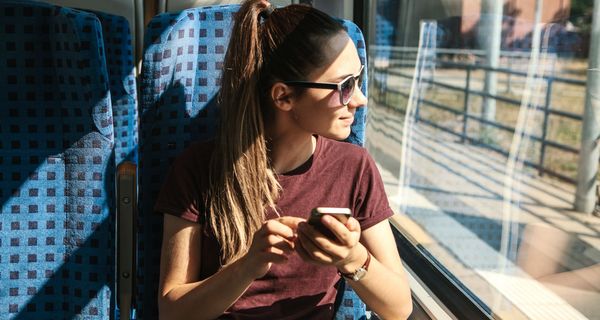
(282, 96)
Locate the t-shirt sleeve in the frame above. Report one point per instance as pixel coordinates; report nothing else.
(180, 192)
(371, 204)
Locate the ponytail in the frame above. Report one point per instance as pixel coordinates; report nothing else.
(242, 184)
(266, 46)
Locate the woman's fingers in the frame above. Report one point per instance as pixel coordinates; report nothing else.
(276, 227)
(276, 240)
(282, 244)
(280, 237)
(347, 234)
(353, 225)
(313, 235)
(309, 251)
(343, 236)
(291, 222)
(272, 243)
(317, 246)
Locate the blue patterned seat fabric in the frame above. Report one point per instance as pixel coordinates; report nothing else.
(181, 71)
(123, 91)
(56, 154)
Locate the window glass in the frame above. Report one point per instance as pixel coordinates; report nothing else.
(477, 118)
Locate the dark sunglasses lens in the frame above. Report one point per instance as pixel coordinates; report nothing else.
(347, 90)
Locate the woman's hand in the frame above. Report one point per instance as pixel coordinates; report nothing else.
(344, 252)
(272, 243)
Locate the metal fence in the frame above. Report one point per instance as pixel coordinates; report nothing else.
(393, 68)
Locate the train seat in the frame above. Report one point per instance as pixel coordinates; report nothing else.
(183, 58)
(57, 159)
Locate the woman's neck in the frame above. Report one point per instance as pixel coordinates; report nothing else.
(288, 152)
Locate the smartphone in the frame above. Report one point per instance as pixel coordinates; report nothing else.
(342, 214)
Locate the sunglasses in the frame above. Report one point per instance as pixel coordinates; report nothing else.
(345, 87)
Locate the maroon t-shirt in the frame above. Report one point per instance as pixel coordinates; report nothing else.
(338, 174)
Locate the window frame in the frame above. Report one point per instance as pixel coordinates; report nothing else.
(455, 297)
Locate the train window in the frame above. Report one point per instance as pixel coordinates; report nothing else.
(483, 120)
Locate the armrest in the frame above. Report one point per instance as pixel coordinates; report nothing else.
(126, 181)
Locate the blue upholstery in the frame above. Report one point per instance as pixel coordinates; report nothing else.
(348, 304)
(357, 135)
(182, 65)
(56, 154)
(182, 61)
(123, 91)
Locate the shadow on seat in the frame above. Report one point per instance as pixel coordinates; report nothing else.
(56, 153)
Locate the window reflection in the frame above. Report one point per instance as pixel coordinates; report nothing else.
(476, 114)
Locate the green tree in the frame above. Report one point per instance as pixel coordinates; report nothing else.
(581, 14)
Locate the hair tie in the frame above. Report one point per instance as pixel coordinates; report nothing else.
(266, 13)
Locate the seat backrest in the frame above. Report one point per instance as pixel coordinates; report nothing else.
(56, 154)
(123, 93)
(122, 84)
(183, 59)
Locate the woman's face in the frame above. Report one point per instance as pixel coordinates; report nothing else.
(320, 111)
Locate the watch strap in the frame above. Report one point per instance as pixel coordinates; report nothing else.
(364, 268)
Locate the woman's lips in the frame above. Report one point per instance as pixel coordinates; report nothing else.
(347, 120)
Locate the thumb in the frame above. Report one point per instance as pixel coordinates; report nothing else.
(353, 225)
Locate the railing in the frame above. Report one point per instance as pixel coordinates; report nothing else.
(467, 115)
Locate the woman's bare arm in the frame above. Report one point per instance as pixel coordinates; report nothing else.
(180, 292)
(384, 288)
(183, 296)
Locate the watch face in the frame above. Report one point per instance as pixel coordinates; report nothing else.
(359, 274)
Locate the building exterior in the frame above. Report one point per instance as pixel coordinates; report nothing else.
(459, 23)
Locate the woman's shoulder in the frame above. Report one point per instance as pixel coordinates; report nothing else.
(197, 153)
(343, 149)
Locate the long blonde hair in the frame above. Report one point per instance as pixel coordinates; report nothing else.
(265, 46)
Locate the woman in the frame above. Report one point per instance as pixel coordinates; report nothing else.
(235, 242)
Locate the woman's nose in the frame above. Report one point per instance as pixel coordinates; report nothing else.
(358, 99)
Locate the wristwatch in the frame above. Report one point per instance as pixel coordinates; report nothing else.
(360, 272)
